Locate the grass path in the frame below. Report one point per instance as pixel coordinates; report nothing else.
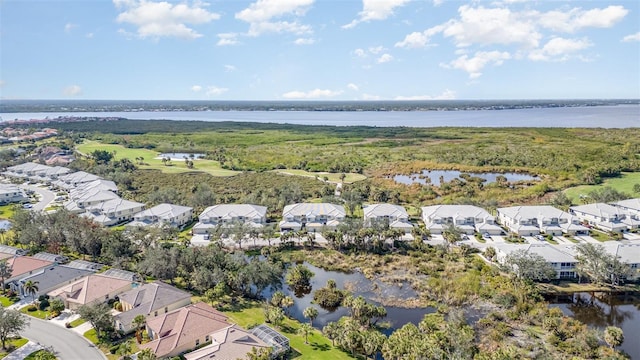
(623, 184)
(151, 162)
(332, 177)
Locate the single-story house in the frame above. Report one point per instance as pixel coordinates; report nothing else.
(232, 342)
(53, 277)
(90, 290)
(183, 329)
(149, 300)
(23, 266)
(467, 218)
(548, 220)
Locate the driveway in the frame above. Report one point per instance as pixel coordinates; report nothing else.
(46, 196)
(67, 344)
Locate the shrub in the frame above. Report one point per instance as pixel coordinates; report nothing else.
(43, 297)
(114, 349)
(43, 305)
(32, 308)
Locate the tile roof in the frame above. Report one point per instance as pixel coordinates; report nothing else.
(24, 264)
(232, 342)
(89, 288)
(149, 297)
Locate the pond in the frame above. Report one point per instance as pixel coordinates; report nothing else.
(599, 310)
(374, 291)
(181, 156)
(434, 177)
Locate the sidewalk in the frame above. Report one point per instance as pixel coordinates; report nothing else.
(68, 316)
(24, 351)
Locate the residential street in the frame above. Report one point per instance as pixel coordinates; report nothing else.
(67, 344)
(46, 196)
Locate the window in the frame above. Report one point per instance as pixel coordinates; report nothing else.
(166, 309)
(155, 313)
(197, 342)
(207, 338)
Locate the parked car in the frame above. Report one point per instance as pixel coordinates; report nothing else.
(540, 237)
(27, 206)
(486, 235)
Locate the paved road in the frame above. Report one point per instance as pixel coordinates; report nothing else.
(67, 344)
(46, 196)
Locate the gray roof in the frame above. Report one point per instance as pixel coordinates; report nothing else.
(148, 298)
(455, 211)
(233, 211)
(122, 274)
(12, 250)
(164, 211)
(52, 277)
(60, 259)
(630, 204)
(314, 209)
(599, 209)
(381, 210)
(87, 265)
(533, 212)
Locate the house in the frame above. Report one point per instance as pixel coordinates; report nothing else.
(149, 300)
(23, 266)
(560, 258)
(173, 215)
(90, 290)
(533, 220)
(232, 342)
(467, 218)
(70, 181)
(228, 214)
(52, 277)
(113, 212)
(183, 329)
(311, 216)
(632, 210)
(395, 216)
(628, 253)
(25, 170)
(11, 194)
(100, 184)
(603, 216)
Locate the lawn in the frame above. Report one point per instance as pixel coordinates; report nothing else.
(623, 184)
(77, 322)
(5, 301)
(319, 347)
(332, 177)
(34, 355)
(6, 211)
(37, 314)
(150, 161)
(13, 344)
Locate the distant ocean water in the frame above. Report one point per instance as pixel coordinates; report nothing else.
(620, 116)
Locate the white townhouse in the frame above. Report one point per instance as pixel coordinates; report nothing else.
(173, 215)
(100, 184)
(224, 215)
(113, 212)
(11, 194)
(632, 208)
(53, 173)
(311, 216)
(467, 218)
(26, 170)
(532, 220)
(70, 181)
(395, 216)
(561, 258)
(603, 216)
(628, 253)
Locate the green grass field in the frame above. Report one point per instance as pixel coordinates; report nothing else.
(13, 343)
(6, 211)
(150, 161)
(623, 184)
(318, 348)
(332, 177)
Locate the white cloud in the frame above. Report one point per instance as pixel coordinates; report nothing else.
(376, 49)
(196, 88)
(229, 68)
(577, 18)
(360, 53)
(437, 2)
(352, 86)
(304, 41)
(385, 58)
(88, 35)
(632, 37)
(446, 95)
(72, 90)
(69, 26)
(261, 14)
(215, 91)
(226, 39)
(375, 10)
(474, 65)
(313, 94)
(163, 19)
(558, 49)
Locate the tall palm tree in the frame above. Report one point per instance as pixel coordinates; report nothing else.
(31, 288)
(139, 321)
(310, 313)
(5, 272)
(304, 330)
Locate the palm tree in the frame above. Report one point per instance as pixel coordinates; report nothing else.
(139, 321)
(304, 330)
(331, 331)
(125, 348)
(31, 288)
(614, 336)
(5, 272)
(147, 354)
(310, 313)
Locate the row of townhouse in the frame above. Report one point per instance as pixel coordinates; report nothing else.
(10, 193)
(563, 257)
(175, 325)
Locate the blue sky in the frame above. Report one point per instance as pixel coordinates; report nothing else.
(319, 49)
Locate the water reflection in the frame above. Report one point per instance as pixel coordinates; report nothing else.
(600, 310)
(437, 177)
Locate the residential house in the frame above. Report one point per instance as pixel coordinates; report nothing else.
(53, 277)
(532, 220)
(183, 329)
(311, 216)
(395, 216)
(90, 290)
(467, 218)
(70, 181)
(23, 266)
(227, 214)
(632, 210)
(232, 342)
(603, 216)
(11, 194)
(149, 300)
(628, 253)
(560, 258)
(25, 170)
(173, 215)
(113, 212)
